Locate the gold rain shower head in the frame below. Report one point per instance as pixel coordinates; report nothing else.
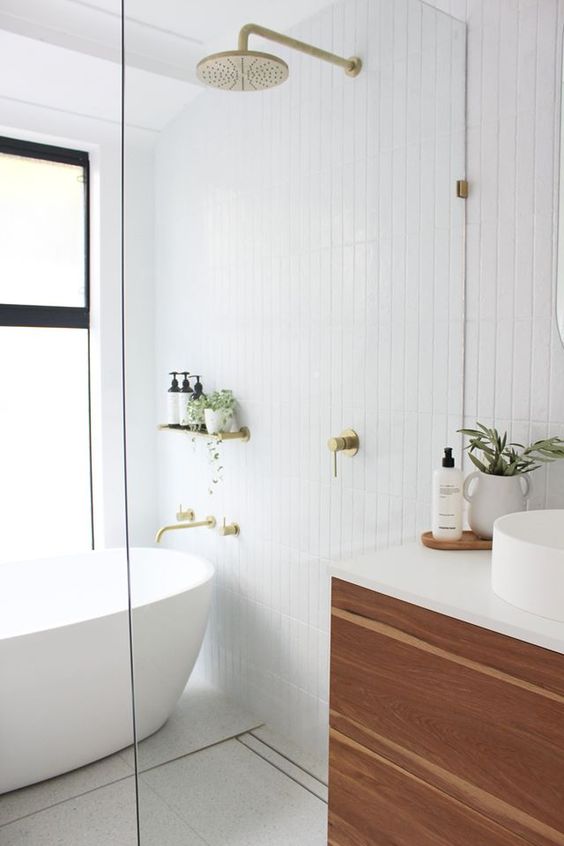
(248, 70)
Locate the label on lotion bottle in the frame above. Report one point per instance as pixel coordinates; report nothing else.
(447, 500)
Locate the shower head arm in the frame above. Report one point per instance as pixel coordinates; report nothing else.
(351, 66)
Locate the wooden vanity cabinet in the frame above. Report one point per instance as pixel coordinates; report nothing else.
(442, 733)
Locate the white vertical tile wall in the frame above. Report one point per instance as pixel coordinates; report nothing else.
(310, 256)
(514, 361)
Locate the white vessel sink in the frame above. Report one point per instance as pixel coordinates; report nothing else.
(528, 561)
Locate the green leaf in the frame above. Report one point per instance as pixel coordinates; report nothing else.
(478, 463)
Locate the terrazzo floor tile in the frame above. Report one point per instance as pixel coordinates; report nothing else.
(202, 717)
(104, 817)
(232, 797)
(36, 797)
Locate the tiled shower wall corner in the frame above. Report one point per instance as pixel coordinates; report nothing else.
(310, 256)
(514, 361)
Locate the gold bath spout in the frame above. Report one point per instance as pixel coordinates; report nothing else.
(209, 522)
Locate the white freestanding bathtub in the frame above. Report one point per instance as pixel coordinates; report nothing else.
(65, 683)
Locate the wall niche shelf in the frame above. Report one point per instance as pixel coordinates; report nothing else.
(242, 435)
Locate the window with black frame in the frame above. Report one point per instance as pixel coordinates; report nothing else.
(45, 439)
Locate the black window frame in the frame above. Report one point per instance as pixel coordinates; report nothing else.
(64, 317)
(58, 317)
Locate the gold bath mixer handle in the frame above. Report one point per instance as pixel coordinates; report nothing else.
(231, 529)
(347, 442)
(182, 514)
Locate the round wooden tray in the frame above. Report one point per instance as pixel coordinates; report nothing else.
(468, 541)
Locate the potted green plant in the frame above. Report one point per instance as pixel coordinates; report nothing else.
(220, 411)
(501, 483)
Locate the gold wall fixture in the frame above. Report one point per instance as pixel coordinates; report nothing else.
(462, 189)
(182, 515)
(229, 529)
(351, 66)
(209, 523)
(251, 70)
(348, 443)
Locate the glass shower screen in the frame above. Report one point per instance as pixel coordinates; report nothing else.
(303, 247)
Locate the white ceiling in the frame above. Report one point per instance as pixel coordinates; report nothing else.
(66, 54)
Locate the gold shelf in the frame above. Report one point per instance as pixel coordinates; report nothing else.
(242, 435)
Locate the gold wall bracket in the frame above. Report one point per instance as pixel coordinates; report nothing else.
(348, 443)
(243, 434)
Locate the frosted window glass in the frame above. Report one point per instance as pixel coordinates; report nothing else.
(44, 443)
(41, 232)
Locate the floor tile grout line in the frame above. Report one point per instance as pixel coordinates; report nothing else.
(64, 801)
(195, 751)
(281, 771)
(121, 778)
(290, 760)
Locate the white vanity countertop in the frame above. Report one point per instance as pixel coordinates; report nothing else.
(453, 583)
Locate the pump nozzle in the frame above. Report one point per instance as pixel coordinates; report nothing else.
(448, 460)
(198, 387)
(186, 389)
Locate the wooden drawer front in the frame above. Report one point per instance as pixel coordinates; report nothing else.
(523, 660)
(463, 727)
(372, 802)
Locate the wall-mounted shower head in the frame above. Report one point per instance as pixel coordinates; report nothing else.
(242, 70)
(247, 70)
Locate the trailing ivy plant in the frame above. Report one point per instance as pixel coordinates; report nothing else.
(500, 458)
(217, 467)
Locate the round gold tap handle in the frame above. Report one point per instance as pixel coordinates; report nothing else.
(348, 443)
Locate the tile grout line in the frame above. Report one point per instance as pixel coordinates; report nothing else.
(64, 801)
(195, 751)
(121, 778)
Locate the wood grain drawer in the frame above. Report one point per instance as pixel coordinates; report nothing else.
(524, 661)
(373, 802)
(490, 739)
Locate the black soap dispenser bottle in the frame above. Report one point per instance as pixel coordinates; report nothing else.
(198, 389)
(173, 415)
(184, 398)
(195, 407)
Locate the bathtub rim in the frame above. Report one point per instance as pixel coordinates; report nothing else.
(206, 577)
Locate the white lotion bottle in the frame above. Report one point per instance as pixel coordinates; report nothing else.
(447, 500)
(173, 404)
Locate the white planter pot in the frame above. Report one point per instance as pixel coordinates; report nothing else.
(218, 421)
(491, 497)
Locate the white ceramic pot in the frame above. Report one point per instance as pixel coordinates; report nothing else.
(218, 421)
(491, 497)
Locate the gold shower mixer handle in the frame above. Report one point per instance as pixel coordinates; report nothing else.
(348, 443)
